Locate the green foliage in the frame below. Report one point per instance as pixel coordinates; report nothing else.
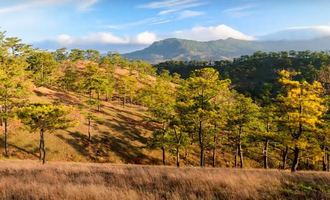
(45, 117)
(302, 107)
(70, 78)
(14, 82)
(77, 54)
(61, 54)
(252, 74)
(43, 67)
(127, 88)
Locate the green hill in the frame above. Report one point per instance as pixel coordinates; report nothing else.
(187, 50)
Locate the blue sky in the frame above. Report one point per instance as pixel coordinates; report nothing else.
(126, 25)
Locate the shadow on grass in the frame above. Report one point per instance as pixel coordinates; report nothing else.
(60, 97)
(19, 149)
(100, 147)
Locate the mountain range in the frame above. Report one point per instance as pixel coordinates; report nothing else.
(186, 50)
(316, 38)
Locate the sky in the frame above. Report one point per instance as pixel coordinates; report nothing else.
(127, 25)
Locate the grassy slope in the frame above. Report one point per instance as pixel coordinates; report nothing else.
(119, 134)
(30, 180)
(121, 131)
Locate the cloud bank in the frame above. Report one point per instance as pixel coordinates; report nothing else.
(203, 33)
(106, 41)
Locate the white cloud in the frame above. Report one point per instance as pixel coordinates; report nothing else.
(240, 11)
(299, 33)
(189, 13)
(322, 29)
(172, 6)
(202, 33)
(160, 19)
(106, 38)
(82, 5)
(65, 39)
(86, 5)
(146, 21)
(146, 38)
(169, 11)
(167, 4)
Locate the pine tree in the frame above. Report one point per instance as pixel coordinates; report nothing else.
(160, 100)
(178, 138)
(94, 82)
(243, 120)
(195, 99)
(70, 77)
(109, 69)
(127, 88)
(14, 83)
(43, 66)
(303, 107)
(44, 118)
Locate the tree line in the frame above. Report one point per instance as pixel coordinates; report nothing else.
(204, 111)
(207, 111)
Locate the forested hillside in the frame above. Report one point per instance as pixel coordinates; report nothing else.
(266, 110)
(227, 49)
(257, 74)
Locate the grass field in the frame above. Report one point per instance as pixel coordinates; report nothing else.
(31, 180)
(119, 134)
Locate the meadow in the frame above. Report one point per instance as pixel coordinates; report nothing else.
(56, 180)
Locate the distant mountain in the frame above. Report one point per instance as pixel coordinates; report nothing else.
(180, 49)
(298, 33)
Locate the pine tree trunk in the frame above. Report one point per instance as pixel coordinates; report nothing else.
(42, 147)
(295, 159)
(201, 144)
(98, 102)
(164, 156)
(265, 154)
(241, 154)
(328, 161)
(5, 123)
(89, 129)
(186, 154)
(285, 157)
(107, 96)
(236, 155)
(214, 157)
(177, 157)
(214, 151)
(324, 161)
(240, 151)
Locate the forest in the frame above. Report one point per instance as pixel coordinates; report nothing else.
(269, 110)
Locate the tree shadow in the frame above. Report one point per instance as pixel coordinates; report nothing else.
(78, 141)
(101, 146)
(60, 97)
(122, 110)
(20, 149)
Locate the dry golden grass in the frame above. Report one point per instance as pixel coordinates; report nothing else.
(119, 134)
(30, 180)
